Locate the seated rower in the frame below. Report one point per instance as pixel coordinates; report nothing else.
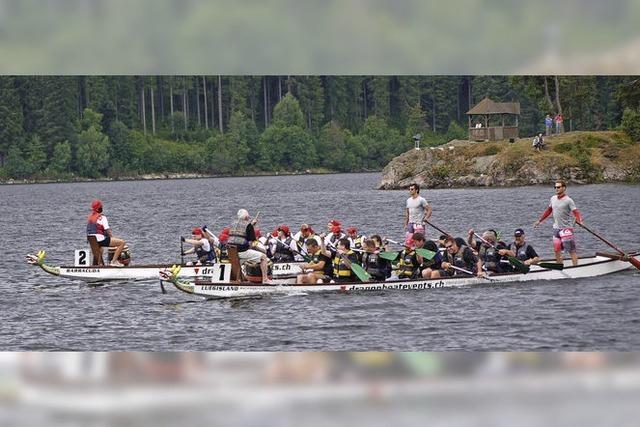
(282, 247)
(408, 264)
(320, 265)
(380, 242)
(487, 249)
(457, 256)
(427, 267)
(334, 233)
(379, 268)
(342, 261)
(98, 226)
(521, 249)
(221, 250)
(201, 247)
(355, 240)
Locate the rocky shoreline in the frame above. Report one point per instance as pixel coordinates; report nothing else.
(578, 157)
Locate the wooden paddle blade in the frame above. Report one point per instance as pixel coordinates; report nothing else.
(518, 265)
(635, 262)
(390, 256)
(425, 253)
(360, 272)
(551, 265)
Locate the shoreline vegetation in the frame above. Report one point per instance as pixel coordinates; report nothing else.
(83, 128)
(577, 157)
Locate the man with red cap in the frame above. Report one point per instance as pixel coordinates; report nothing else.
(98, 226)
(201, 247)
(356, 240)
(301, 238)
(283, 247)
(334, 234)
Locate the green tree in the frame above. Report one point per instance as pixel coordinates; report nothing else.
(35, 155)
(631, 123)
(335, 150)
(16, 164)
(92, 154)
(287, 112)
(11, 118)
(61, 159)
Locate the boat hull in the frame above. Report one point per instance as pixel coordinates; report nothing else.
(589, 267)
(150, 272)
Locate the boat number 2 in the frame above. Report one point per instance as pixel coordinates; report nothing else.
(82, 258)
(221, 273)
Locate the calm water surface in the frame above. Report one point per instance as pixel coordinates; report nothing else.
(42, 312)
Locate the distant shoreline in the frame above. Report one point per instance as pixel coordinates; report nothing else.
(169, 176)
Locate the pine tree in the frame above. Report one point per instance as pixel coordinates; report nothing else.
(60, 115)
(11, 118)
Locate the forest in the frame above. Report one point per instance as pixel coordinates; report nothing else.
(70, 127)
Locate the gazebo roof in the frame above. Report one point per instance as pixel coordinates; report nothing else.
(488, 106)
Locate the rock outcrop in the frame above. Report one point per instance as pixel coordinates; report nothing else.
(579, 157)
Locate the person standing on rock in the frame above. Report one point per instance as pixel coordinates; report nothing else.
(417, 211)
(562, 207)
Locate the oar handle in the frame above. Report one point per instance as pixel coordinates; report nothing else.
(438, 228)
(462, 270)
(484, 240)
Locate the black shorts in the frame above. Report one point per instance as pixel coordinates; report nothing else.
(105, 243)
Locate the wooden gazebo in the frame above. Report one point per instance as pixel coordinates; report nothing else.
(491, 115)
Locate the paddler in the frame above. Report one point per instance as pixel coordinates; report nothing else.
(427, 267)
(334, 233)
(344, 257)
(355, 240)
(98, 226)
(521, 249)
(562, 207)
(408, 265)
(379, 268)
(201, 247)
(282, 246)
(320, 265)
(461, 257)
(488, 248)
(241, 235)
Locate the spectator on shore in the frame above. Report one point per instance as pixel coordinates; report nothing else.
(559, 127)
(548, 124)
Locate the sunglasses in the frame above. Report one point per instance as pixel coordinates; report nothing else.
(557, 186)
(448, 246)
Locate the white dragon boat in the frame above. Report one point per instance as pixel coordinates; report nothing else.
(597, 265)
(94, 273)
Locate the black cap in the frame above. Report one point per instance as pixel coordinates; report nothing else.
(519, 232)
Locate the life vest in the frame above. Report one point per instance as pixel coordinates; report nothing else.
(315, 259)
(521, 252)
(490, 258)
(283, 252)
(206, 256)
(238, 235)
(93, 227)
(340, 268)
(458, 260)
(407, 264)
(357, 242)
(376, 266)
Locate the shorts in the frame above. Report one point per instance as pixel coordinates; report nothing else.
(415, 228)
(250, 255)
(564, 239)
(105, 242)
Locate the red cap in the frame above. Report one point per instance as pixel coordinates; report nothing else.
(284, 229)
(335, 229)
(197, 231)
(274, 233)
(96, 204)
(352, 230)
(224, 235)
(258, 233)
(408, 242)
(335, 223)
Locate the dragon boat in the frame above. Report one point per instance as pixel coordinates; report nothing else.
(101, 273)
(597, 265)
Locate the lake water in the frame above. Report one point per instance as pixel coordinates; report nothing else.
(43, 312)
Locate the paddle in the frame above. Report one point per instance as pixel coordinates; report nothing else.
(304, 256)
(391, 256)
(181, 251)
(632, 260)
(470, 273)
(551, 265)
(439, 229)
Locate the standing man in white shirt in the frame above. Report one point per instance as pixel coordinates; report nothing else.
(417, 211)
